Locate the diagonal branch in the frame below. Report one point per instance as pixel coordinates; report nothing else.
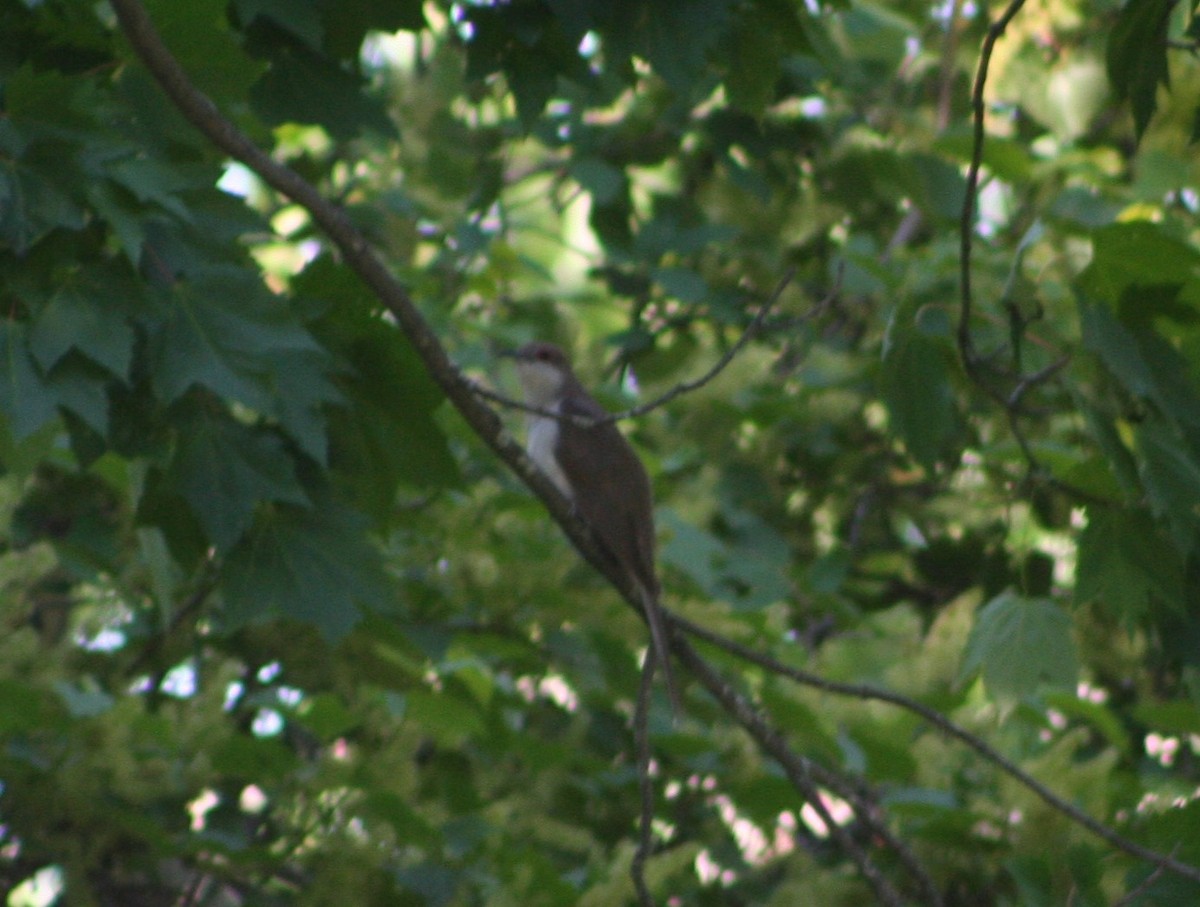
(948, 727)
(200, 111)
(799, 770)
(683, 387)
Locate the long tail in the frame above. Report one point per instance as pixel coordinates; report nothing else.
(660, 649)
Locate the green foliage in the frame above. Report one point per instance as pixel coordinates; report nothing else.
(1019, 644)
(1137, 56)
(277, 627)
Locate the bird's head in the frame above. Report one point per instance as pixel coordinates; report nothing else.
(544, 372)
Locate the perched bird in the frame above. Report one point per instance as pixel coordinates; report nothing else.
(597, 470)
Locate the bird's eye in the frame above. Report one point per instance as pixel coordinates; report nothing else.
(543, 355)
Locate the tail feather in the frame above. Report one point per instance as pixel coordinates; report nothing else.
(660, 647)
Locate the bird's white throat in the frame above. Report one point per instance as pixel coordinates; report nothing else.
(543, 386)
(540, 445)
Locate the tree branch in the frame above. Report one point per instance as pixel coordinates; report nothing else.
(682, 387)
(870, 814)
(641, 735)
(200, 111)
(796, 767)
(948, 727)
(967, 220)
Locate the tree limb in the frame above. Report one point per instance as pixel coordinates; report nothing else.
(641, 736)
(797, 768)
(948, 727)
(967, 220)
(683, 387)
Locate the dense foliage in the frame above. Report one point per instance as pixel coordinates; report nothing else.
(278, 628)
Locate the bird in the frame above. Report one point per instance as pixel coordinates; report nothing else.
(597, 470)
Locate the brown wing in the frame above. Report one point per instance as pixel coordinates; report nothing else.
(619, 507)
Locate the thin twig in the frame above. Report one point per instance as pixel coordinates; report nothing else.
(1144, 886)
(1030, 381)
(206, 582)
(682, 387)
(948, 727)
(641, 736)
(967, 221)
(973, 362)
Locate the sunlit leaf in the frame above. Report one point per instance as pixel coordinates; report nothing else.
(1019, 644)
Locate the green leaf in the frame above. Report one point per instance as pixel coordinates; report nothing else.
(75, 318)
(683, 284)
(25, 708)
(1137, 56)
(157, 182)
(326, 716)
(1008, 159)
(938, 185)
(303, 87)
(1171, 475)
(1169, 717)
(312, 565)
(600, 178)
(384, 434)
(252, 758)
(31, 206)
(1020, 644)
(123, 216)
(198, 34)
(346, 22)
(1147, 365)
(223, 332)
(449, 719)
(300, 407)
(1118, 456)
(526, 42)
(78, 513)
(410, 827)
(754, 65)
(1127, 564)
(677, 35)
(920, 399)
(299, 18)
(1135, 254)
(224, 470)
(31, 399)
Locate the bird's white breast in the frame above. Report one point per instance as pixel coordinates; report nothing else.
(540, 445)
